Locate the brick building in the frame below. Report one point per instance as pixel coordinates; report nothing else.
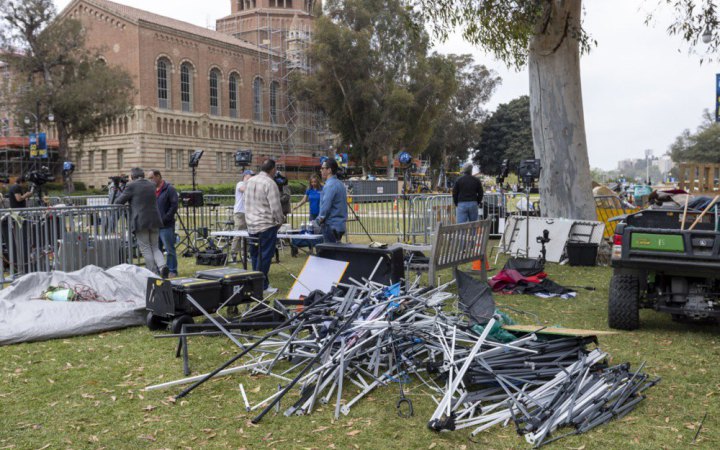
(219, 91)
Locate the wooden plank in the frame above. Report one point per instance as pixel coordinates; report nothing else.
(558, 330)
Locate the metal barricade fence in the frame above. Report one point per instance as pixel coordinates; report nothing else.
(381, 215)
(63, 238)
(424, 214)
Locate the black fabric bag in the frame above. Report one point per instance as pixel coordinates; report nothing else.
(526, 266)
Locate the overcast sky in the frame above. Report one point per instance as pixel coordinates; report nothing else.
(641, 88)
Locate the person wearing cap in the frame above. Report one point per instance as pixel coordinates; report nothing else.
(239, 212)
(467, 196)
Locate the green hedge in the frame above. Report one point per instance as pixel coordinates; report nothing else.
(56, 189)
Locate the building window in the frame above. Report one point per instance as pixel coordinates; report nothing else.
(91, 160)
(120, 158)
(257, 99)
(180, 159)
(228, 160)
(218, 162)
(163, 66)
(214, 92)
(273, 101)
(186, 83)
(103, 160)
(233, 97)
(189, 157)
(168, 158)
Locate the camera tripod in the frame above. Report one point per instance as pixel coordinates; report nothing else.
(191, 235)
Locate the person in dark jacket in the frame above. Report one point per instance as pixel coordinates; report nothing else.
(145, 220)
(167, 201)
(467, 196)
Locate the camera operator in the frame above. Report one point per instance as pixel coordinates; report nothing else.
(145, 220)
(333, 203)
(467, 196)
(19, 193)
(263, 214)
(239, 212)
(116, 187)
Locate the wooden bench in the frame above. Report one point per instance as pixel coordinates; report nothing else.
(451, 246)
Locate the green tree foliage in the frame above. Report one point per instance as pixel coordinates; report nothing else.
(458, 128)
(59, 73)
(702, 146)
(548, 36)
(506, 134)
(374, 79)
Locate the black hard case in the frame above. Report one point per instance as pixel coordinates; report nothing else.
(168, 298)
(246, 283)
(363, 260)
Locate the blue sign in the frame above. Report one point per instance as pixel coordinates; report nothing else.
(717, 97)
(33, 145)
(42, 145)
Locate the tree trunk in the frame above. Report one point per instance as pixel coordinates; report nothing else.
(556, 112)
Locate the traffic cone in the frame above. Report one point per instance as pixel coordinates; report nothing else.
(477, 265)
(395, 205)
(356, 207)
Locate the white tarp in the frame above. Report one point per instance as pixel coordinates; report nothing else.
(25, 318)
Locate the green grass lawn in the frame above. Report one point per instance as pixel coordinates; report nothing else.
(86, 392)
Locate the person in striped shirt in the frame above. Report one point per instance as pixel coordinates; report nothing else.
(263, 214)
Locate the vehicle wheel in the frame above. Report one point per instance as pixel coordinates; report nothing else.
(178, 322)
(623, 305)
(154, 323)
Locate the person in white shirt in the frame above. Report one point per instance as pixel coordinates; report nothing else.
(239, 213)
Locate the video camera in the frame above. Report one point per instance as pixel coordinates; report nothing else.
(280, 180)
(243, 158)
(119, 180)
(40, 176)
(529, 171)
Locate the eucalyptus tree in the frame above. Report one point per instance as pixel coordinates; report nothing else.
(374, 79)
(547, 36)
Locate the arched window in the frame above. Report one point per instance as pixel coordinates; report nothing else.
(163, 83)
(274, 86)
(233, 95)
(186, 85)
(215, 92)
(257, 99)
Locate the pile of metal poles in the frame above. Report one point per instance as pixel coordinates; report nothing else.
(345, 344)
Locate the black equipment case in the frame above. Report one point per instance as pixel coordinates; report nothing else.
(168, 298)
(210, 257)
(243, 282)
(363, 260)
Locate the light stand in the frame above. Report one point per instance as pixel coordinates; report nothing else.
(528, 172)
(193, 163)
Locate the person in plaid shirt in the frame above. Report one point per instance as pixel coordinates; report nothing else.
(263, 214)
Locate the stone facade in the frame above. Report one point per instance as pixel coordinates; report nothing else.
(196, 89)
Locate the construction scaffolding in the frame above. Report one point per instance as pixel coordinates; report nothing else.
(305, 130)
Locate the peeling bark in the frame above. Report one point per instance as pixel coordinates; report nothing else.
(556, 110)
